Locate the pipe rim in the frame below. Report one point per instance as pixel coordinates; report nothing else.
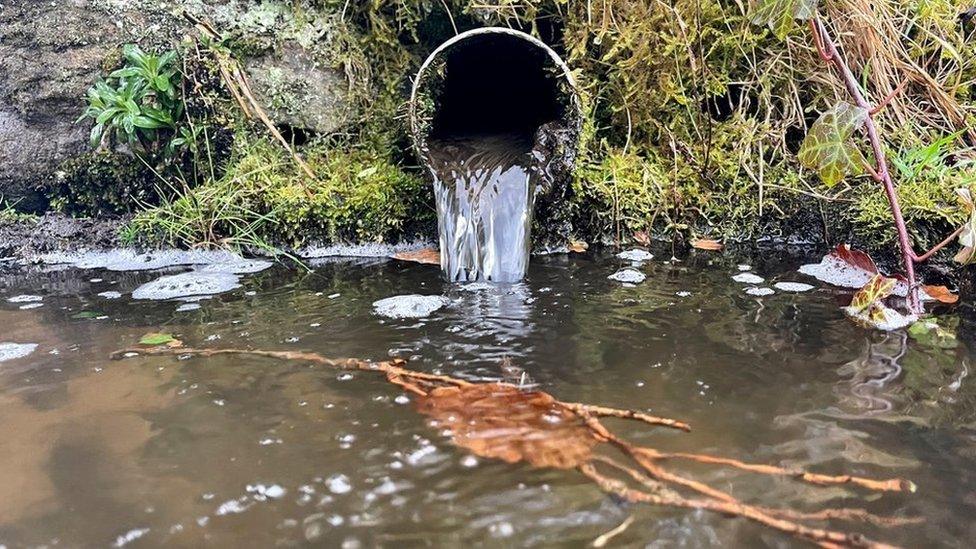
(419, 141)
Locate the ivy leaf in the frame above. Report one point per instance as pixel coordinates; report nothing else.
(868, 308)
(967, 238)
(878, 288)
(779, 15)
(828, 147)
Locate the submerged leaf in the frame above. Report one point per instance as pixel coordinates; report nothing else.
(426, 256)
(500, 421)
(779, 15)
(828, 147)
(159, 339)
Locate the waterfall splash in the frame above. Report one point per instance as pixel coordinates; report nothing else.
(484, 189)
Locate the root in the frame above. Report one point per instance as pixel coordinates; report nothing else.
(601, 411)
(503, 402)
(888, 485)
(822, 537)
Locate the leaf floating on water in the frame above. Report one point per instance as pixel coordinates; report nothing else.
(707, 244)
(829, 147)
(868, 309)
(424, 256)
(578, 246)
(940, 293)
(844, 267)
(154, 339)
(849, 268)
(500, 421)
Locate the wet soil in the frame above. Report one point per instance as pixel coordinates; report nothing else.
(56, 232)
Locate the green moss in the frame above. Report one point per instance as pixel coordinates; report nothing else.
(264, 197)
(102, 183)
(692, 116)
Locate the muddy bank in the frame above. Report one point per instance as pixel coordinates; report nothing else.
(25, 239)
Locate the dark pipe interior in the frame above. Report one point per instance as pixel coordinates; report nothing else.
(496, 84)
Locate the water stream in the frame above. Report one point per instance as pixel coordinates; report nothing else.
(484, 189)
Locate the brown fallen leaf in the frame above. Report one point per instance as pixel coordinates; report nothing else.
(425, 256)
(498, 421)
(503, 421)
(940, 293)
(707, 244)
(578, 246)
(642, 238)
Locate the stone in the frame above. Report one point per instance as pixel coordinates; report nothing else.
(297, 91)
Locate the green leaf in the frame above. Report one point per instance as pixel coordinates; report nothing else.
(147, 122)
(107, 115)
(125, 72)
(779, 15)
(156, 339)
(96, 134)
(878, 288)
(828, 147)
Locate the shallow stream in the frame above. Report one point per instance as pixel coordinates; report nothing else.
(254, 452)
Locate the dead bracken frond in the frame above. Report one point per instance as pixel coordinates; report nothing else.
(503, 421)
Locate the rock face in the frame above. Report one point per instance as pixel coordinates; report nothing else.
(296, 91)
(50, 53)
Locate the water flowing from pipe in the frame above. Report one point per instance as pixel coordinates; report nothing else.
(484, 190)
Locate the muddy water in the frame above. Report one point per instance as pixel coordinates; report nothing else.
(484, 189)
(253, 452)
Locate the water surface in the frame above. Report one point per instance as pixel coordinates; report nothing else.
(246, 451)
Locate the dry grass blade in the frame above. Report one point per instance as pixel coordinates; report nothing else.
(503, 421)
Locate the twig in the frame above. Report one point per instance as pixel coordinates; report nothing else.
(825, 538)
(822, 35)
(236, 81)
(884, 102)
(940, 245)
(658, 485)
(616, 531)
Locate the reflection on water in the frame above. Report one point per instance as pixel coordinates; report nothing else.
(250, 451)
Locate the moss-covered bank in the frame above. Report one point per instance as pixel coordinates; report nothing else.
(693, 119)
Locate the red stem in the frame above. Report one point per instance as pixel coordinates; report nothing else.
(821, 35)
(939, 246)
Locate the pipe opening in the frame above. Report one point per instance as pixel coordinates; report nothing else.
(496, 84)
(495, 117)
(491, 81)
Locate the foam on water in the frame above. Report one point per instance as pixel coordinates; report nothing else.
(636, 255)
(409, 306)
(629, 276)
(11, 351)
(132, 260)
(193, 283)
